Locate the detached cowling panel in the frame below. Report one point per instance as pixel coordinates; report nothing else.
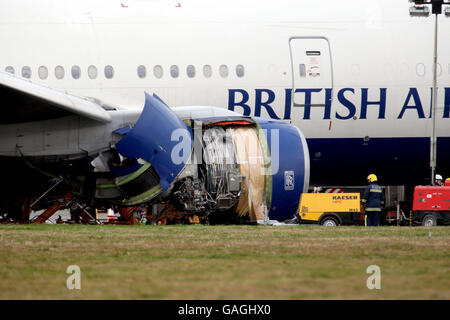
(157, 134)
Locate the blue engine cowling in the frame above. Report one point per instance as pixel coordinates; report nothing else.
(150, 143)
(290, 169)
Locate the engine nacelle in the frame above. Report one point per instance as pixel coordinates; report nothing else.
(207, 162)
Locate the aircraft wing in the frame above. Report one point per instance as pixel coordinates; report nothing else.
(22, 100)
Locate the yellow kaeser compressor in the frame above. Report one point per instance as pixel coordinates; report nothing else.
(331, 209)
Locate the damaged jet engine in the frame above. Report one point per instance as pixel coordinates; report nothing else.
(204, 161)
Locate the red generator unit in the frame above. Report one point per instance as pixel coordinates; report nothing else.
(432, 205)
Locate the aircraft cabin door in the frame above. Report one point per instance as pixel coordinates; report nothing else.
(312, 71)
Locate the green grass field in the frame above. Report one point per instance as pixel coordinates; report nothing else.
(223, 262)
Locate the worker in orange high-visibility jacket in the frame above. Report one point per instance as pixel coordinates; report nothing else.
(373, 201)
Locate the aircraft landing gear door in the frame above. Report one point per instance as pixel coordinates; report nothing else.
(312, 71)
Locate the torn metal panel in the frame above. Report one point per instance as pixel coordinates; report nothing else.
(153, 138)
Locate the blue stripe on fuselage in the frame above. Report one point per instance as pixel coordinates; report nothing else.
(396, 161)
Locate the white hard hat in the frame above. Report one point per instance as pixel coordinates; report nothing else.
(438, 177)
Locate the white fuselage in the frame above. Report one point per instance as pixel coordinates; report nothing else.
(361, 51)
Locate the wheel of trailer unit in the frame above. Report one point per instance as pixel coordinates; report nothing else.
(429, 221)
(329, 222)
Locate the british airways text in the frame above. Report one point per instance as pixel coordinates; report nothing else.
(413, 103)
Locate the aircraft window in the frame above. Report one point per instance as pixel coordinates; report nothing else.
(26, 72)
(76, 72)
(92, 72)
(207, 71)
(43, 72)
(174, 71)
(59, 72)
(141, 71)
(223, 71)
(10, 69)
(190, 70)
(420, 69)
(240, 71)
(109, 72)
(302, 70)
(158, 71)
